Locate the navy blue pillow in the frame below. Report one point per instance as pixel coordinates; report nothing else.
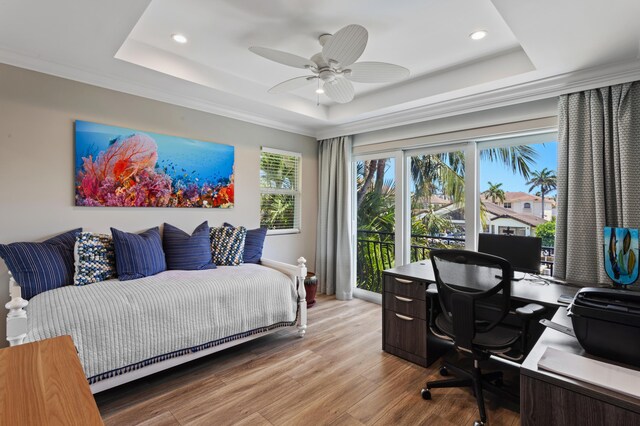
(187, 252)
(138, 255)
(39, 267)
(253, 244)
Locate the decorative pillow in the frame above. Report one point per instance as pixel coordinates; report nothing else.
(253, 244)
(227, 245)
(138, 255)
(95, 258)
(39, 267)
(187, 252)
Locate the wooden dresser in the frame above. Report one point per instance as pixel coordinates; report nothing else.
(42, 383)
(405, 331)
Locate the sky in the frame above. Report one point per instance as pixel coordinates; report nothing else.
(495, 172)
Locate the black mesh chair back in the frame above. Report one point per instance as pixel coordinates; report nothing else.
(474, 291)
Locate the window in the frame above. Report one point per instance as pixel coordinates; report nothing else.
(280, 191)
(526, 170)
(412, 201)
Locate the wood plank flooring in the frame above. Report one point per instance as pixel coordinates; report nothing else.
(337, 374)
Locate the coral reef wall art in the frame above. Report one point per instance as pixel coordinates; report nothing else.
(119, 167)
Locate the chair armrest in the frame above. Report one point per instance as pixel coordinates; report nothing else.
(432, 290)
(530, 311)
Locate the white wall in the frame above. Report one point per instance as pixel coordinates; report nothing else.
(37, 112)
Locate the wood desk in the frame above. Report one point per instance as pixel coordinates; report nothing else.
(524, 290)
(550, 399)
(405, 331)
(42, 383)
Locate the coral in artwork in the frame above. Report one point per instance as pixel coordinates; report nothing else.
(127, 174)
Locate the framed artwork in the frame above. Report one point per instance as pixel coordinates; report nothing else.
(621, 254)
(120, 167)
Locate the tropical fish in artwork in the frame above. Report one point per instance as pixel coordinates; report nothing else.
(626, 242)
(631, 262)
(613, 257)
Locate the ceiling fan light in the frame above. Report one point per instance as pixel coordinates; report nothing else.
(319, 90)
(179, 38)
(478, 35)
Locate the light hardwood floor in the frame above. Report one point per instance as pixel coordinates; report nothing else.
(337, 374)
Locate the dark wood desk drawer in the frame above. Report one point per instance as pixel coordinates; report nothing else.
(406, 333)
(405, 305)
(404, 287)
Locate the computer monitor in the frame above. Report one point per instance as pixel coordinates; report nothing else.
(522, 252)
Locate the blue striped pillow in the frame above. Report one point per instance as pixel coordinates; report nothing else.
(138, 255)
(187, 252)
(39, 267)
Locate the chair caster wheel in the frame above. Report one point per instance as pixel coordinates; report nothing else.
(444, 371)
(478, 423)
(426, 394)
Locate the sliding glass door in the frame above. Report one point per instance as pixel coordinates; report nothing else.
(378, 209)
(436, 200)
(407, 203)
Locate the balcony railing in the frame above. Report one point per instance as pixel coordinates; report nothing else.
(376, 252)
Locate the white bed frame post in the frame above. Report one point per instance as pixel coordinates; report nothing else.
(302, 295)
(297, 273)
(17, 316)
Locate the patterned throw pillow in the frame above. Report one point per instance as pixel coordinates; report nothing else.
(253, 244)
(39, 267)
(227, 245)
(95, 258)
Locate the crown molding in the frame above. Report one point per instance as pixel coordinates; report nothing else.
(96, 78)
(543, 88)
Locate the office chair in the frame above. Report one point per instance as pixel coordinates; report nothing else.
(474, 290)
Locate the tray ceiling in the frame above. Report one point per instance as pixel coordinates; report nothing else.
(533, 49)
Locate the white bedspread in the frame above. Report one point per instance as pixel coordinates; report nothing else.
(116, 324)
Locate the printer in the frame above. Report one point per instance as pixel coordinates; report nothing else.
(606, 322)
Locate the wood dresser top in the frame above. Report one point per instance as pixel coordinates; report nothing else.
(42, 383)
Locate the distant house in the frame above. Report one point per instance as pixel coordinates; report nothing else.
(502, 220)
(499, 220)
(522, 202)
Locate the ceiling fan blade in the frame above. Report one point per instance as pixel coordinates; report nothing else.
(376, 72)
(283, 57)
(340, 90)
(294, 83)
(346, 46)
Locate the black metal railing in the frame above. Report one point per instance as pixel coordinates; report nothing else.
(376, 252)
(547, 258)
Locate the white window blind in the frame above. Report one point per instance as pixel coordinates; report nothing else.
(280, 190)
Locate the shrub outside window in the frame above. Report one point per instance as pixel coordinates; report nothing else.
(280, 192)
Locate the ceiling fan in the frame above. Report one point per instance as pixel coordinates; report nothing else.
(335, 65)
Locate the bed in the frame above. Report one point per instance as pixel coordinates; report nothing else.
(125, 330)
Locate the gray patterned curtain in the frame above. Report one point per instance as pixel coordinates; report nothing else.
(333, 248)
(598, 176)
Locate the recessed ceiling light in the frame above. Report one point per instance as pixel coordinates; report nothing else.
(478, 35)
(319, 90)
(179, 38)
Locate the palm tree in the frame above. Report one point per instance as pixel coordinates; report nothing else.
(544, 179)
(494, 192)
